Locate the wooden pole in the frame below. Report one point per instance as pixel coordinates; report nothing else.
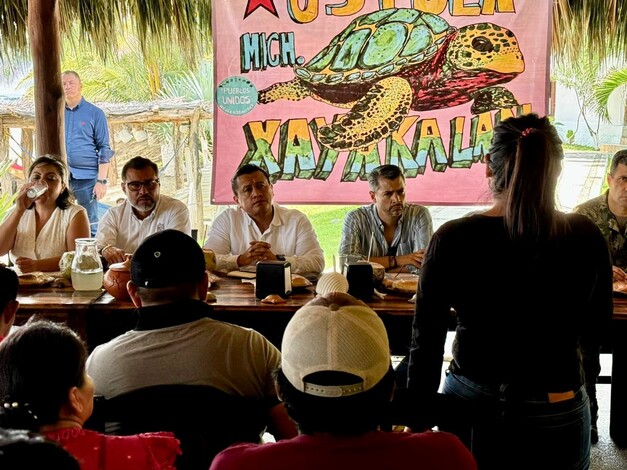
(43, 30)
(4, 147)
(177, 139)
(194, 144)
(5, 180)
(27, 148)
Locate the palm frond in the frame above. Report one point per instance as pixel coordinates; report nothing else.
(6, 198)
(604, 89)
(190, 86)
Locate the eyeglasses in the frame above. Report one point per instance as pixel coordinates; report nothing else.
(136, 185)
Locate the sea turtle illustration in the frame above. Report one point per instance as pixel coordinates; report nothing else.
(386, 63)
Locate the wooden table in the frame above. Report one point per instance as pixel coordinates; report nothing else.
(98, 317)
(62, 305)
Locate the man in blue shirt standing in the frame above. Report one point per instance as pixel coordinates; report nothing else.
(87, 147)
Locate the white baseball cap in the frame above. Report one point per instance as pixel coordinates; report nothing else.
(331, 282)
(335, 332)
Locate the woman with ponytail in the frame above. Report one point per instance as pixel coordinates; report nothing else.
(531, 288)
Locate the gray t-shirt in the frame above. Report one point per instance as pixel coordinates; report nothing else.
(231, 358)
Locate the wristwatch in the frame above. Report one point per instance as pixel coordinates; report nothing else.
(102, 181)
(280, 257)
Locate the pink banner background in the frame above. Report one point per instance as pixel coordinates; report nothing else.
(530, 23)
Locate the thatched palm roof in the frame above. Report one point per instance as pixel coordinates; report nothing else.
(598, 27)
(598, 24)
(186, 22)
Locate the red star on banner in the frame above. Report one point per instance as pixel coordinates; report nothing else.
(254, 4)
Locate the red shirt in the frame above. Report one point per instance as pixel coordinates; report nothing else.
(380, 450)
(95, 451)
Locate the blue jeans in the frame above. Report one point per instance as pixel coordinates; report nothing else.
(84, 192)
(507, 430)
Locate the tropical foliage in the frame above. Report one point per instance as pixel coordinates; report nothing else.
(581, 76)
(586, 35)
(605, 87)
(191, 87)
(132, 74)
(6, 197)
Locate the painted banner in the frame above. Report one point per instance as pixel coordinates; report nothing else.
(319, 93)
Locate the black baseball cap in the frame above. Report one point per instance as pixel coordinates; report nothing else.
(167, 258)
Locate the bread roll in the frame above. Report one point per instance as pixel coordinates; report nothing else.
(404, 284)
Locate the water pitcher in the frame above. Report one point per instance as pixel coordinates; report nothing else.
(86, 265)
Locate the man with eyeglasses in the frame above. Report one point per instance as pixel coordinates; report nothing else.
(144, 212)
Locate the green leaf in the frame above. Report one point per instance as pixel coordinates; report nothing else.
(604, 88)
(6, 200)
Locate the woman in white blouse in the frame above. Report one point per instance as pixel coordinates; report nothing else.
(38, 231)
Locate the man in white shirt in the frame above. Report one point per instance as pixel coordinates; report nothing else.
(145, 211)
(260, 230)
